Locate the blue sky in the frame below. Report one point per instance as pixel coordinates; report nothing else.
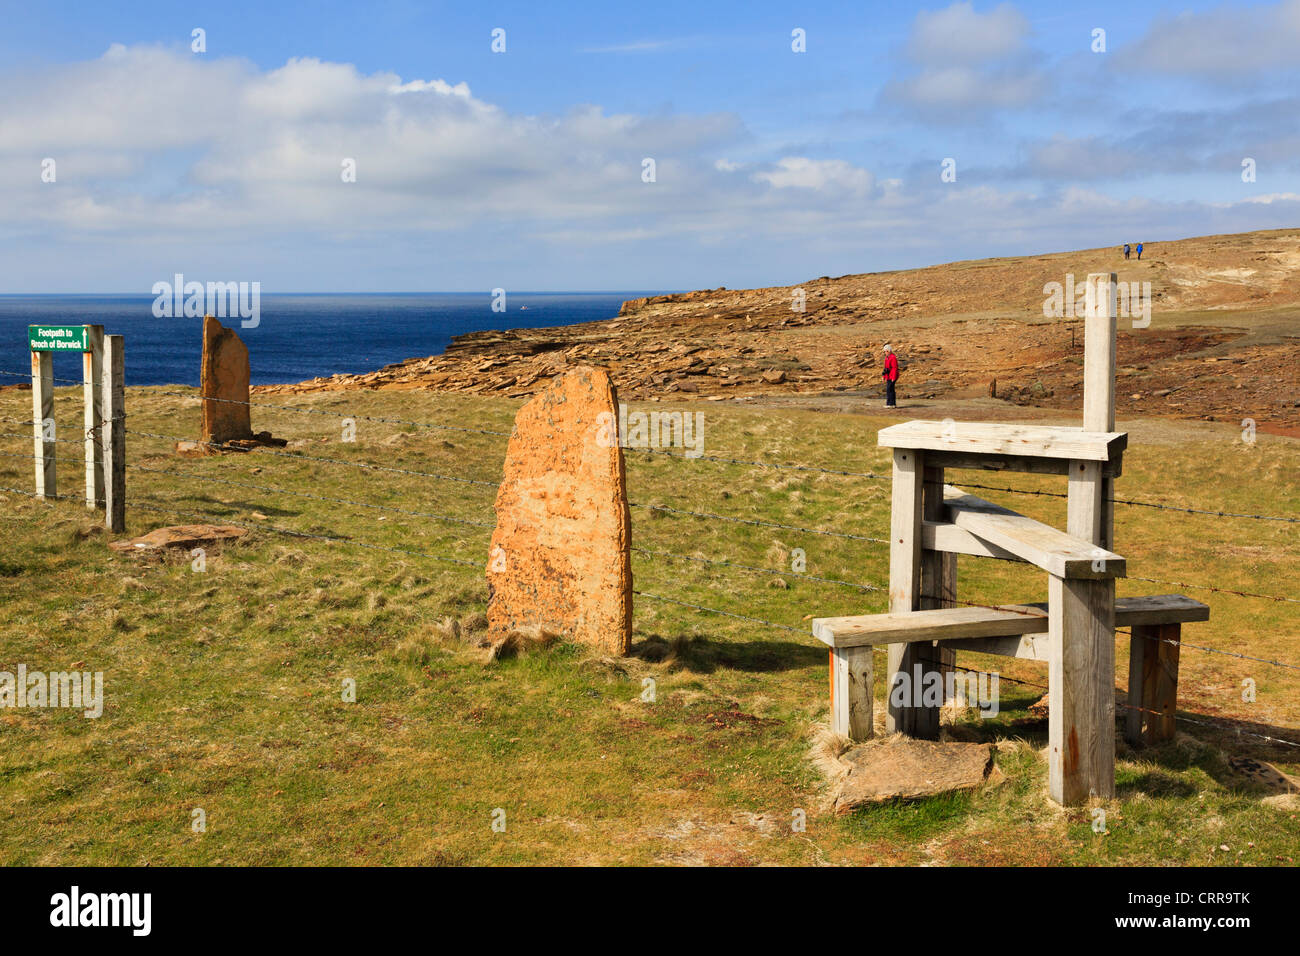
(523, 169)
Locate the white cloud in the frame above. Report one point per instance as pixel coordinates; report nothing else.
(817, 174)
(962, 87)
(1219, 43)
(968, 62)
(1267, 199)
(1091, 157)
(958, 35)
(169, 162)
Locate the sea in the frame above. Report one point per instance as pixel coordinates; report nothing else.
(298, 336)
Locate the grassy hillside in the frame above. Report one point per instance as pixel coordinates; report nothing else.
(223, 688)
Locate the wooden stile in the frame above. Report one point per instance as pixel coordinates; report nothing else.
(1073, 631)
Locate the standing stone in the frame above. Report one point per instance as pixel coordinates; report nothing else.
(224, 375)
(561, 556)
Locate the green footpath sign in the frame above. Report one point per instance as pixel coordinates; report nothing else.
(58, 338)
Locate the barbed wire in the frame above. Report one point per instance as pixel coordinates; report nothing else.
(69, 381)
(762, 464)
(291, 532)
(349, 415)
(1138, 504)
(331, 461)
(763, 524)
(750, 568)
(405, 471)
(1123, 706)
(79, 442)
(1210, 587)
(300, 494)
(7, 454)
(713, 610)
(1215, 650)
(714, 458)
(785, 627)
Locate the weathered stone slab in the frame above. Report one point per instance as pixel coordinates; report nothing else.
(561, 558)
(183, 536)
(905, 768)
(223, 382)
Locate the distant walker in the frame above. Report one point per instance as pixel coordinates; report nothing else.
(890, 375)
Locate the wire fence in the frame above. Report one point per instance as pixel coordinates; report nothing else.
(155, 506)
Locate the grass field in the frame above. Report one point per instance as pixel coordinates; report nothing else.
(223, 688)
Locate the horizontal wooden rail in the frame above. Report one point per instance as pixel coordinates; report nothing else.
(1000, 439)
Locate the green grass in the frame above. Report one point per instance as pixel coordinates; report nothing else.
(223, 688)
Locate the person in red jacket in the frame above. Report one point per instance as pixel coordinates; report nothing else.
(890, 375)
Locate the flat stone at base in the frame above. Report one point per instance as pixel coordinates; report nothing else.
(260, 440)
(904, 768)
(192, 449)
(184, 536)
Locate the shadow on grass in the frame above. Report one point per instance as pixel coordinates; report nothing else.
(909, 821)
(701, 655)
(233, 509)
(1166, 762)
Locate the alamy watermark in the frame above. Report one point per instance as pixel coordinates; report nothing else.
(932, 688)
(193, 300)
(78, 690)
(1130, 299)
(129, 910)
(684, 430)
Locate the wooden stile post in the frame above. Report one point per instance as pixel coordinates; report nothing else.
(1152, 683)
(92, 361)
(1100, 297)
(937, 590)
(905, 581)
(852, 709)
(1081, 613)
(42, 411)
(113, 435)
(1081, 674)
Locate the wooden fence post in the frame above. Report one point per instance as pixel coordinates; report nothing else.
(92, 362)
(113, 434)
(1081, 612)
(42, 411)
(905, 581)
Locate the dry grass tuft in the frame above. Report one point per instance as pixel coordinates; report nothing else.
(519, 642)
(827, 750)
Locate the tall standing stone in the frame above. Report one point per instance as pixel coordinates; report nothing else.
(223, 384)
(561, 556)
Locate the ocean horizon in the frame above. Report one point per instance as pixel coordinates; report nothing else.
(299, 336)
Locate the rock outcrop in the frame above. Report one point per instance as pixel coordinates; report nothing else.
(955, 326)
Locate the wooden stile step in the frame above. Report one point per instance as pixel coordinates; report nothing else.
(979, 622)
(998, 530)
